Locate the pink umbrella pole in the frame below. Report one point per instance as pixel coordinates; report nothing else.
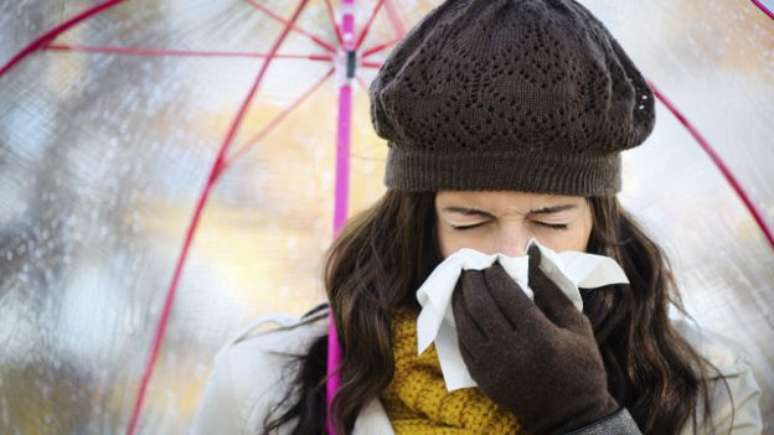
(342, 192)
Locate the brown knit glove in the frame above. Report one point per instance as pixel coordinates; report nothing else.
(539, 360)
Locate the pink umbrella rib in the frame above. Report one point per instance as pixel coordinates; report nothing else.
(380, 47)
(718, 161)
(139, 51)
(332, 18)
(215, 172)
(276, 121)
(367, 27)
(764, 8)
(49, 36)
(317, 40)
(362, 83)
(376, 65)
(395, 19)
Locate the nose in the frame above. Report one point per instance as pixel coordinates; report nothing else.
(512, 240)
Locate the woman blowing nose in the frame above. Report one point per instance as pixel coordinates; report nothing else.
(504, 121)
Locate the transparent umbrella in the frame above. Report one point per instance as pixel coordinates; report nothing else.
(171, 170)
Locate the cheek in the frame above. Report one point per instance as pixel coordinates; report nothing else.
(449, 242)
(573, 239)
(577, 237)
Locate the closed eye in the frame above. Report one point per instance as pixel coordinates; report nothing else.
(467, 227)
(554, 226)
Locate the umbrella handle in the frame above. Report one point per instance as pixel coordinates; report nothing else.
(334, 379)
(342, 192)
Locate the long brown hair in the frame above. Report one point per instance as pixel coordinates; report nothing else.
(385, 253)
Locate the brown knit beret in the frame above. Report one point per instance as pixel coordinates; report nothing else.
(528, 95)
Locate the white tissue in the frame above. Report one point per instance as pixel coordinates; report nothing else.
(568, 269)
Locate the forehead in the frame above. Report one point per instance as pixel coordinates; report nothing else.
(503, 199)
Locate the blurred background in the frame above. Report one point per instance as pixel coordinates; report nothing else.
(103, 155)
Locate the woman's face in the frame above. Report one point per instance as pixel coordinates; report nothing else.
(504, 221)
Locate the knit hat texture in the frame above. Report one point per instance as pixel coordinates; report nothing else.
(528, 95)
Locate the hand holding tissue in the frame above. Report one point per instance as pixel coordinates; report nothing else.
(540, 360)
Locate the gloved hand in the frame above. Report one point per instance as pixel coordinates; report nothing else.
(539, 360)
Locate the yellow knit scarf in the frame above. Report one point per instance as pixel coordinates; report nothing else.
(417, 402)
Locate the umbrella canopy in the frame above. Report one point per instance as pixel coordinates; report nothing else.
(141, 133)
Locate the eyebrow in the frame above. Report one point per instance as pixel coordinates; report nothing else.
(468, 211)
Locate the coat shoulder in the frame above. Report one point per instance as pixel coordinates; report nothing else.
(734, 390)
(728, 356)
(253, 371)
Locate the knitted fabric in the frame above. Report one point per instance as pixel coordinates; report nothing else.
(530, 95)
(416, 400)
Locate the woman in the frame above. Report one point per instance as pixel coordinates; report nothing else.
(505, 120)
